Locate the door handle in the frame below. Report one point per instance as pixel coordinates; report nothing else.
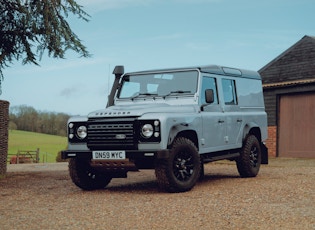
(220, 121)
(239, 120)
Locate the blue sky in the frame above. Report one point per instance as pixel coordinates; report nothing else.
(146, 34)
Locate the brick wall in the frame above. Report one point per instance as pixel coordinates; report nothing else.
(271, 142)
(4, 122)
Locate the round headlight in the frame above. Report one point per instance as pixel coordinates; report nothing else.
(82, 132)
(147, 130)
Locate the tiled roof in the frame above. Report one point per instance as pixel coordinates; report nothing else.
(312, 38)
(289, 83)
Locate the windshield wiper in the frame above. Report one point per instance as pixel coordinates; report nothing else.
(177, 92)
(143, 94)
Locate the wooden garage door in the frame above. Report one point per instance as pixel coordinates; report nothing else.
(297, 125)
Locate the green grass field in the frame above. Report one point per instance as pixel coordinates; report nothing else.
(49, 145)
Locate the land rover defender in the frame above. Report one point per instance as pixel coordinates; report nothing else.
(173, 121)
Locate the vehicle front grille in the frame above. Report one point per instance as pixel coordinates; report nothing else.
(111, 134)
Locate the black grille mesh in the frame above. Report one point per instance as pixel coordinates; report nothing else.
(111, 134)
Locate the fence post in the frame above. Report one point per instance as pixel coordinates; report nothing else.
(4, 133)
(18, 157)
(37, 155)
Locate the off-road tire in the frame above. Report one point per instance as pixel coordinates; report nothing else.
(181, 171)
(83, 175)
(248, 163)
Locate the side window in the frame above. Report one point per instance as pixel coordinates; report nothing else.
(209, 83)
(229, 92)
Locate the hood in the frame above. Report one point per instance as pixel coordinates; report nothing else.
(140, 109)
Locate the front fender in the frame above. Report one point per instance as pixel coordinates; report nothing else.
(175, 130)
(189, 128)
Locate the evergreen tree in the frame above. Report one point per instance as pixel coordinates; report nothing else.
(31, 27)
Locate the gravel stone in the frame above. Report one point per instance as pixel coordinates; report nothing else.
(42, 196)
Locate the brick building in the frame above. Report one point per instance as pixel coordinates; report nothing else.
(289, 90)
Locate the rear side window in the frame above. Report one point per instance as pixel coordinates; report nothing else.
(229, 92)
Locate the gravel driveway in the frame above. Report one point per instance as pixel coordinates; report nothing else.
(42, 196)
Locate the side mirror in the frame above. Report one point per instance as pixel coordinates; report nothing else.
(209, 96)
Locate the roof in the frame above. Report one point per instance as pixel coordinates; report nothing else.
(213, 69)
(306, 37)
(289, 83)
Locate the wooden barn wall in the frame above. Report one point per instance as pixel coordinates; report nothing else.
(271, 99)
(271, 106)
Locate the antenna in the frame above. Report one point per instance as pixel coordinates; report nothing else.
(108, 82)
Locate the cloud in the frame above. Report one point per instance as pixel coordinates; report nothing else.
(51, 65)
(99, 5)
(201, 46)
(167, 37)
(68, 92)
(196, 1)
(93, 6)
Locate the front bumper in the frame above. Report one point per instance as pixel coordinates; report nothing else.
(130, 154)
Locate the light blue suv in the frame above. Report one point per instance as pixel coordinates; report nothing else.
(173, 121)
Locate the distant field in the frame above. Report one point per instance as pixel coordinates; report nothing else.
(49, 145)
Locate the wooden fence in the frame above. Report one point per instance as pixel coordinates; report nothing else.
(24, 156)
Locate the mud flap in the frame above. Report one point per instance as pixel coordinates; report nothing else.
(264, 154)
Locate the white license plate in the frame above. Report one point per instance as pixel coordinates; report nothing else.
(109, 155)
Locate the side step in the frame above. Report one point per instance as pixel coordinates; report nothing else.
(210, 157)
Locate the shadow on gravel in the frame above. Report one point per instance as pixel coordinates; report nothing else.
(152, 186)
(137, 187)
(137, 182)
(214, 177)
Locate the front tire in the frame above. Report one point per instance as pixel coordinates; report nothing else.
(248, 164)
(180, 172)
(85, 177)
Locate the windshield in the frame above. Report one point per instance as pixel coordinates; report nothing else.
(159, 84)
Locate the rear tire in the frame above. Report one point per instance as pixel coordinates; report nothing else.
(248, 164)
(85, 177)
(180, 172)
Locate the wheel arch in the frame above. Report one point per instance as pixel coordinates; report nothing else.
(188, 133)
(252, 128)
